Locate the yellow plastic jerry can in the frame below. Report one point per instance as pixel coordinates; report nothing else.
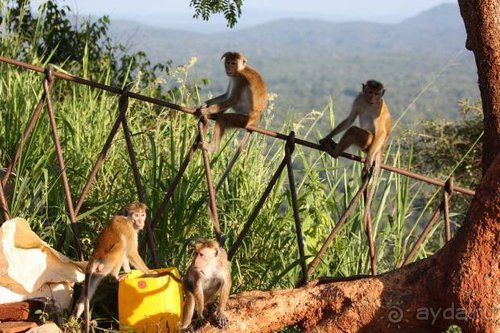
(150, 304)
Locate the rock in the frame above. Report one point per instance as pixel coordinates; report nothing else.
(16, 326)
(48, 327)
(14, 311)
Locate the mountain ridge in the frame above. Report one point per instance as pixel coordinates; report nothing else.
(307, 62)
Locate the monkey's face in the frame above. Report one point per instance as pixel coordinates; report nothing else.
(231, 66)
(138, 219)
(372, 96)
(234, 64)
(203, 257)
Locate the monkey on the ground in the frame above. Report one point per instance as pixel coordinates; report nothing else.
(116, 248)
(208, 275)
(374, 125)
(246, 94)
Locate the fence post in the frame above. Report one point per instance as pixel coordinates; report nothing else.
(202, 125)
(289, 148)
(448, 192)
(3, 203)
(60, 159)
(123, 106)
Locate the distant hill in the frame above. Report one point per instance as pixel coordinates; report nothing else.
(307, 62)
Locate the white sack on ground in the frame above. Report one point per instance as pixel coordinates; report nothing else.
(30, 268)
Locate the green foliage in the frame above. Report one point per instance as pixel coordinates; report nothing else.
(84, 49)
(454, 329)
(50, 35)
(451, 147)
(231, 9)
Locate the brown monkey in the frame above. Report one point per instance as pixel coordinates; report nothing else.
(246, 94)
(374, 121)
(208, 275)
(374, 130)
(116, 248)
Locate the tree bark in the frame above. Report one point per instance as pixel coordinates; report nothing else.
(483, 39)
(458, 285)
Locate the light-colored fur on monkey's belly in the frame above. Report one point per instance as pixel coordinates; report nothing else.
(244, 105)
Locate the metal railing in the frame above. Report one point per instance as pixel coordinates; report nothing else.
(121, 120)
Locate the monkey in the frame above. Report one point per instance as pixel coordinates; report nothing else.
(375, 127)
(208, 275)
(374, 121)
(246, 94)
(116, 248)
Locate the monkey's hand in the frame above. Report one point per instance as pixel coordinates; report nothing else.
(150, 273)
(202, 110)
(121, 277)
(221, 319)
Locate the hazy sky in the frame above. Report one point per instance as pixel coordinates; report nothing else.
(178, 12)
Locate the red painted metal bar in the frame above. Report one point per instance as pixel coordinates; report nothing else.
(289, 148)
(368, 194)
(3, 203)
(211, 190)
(60, 159)
(336, 228)
(137, 180)
(448, 192)
(369, 233)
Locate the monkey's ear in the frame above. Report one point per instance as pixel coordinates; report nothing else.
(382, 92)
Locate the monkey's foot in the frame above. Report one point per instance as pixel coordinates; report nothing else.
(221, 320)
(210, 309)
(207, 146)
(198, 323)
(329, 147)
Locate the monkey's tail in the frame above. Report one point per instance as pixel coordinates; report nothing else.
(86, 302)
